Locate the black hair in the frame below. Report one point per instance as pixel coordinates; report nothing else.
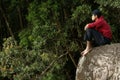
(97, 12)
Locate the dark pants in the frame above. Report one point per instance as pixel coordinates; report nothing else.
(95, 37)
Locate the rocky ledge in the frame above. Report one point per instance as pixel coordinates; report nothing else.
(102, 63)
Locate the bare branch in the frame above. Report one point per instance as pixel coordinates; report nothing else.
(45, 71)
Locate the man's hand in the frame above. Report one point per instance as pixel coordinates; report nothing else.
(86, 27)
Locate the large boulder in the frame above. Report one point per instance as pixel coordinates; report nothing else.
(102, 63)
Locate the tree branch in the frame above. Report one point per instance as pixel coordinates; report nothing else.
(45, 71)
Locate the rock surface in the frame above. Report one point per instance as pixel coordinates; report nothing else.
(102, 63)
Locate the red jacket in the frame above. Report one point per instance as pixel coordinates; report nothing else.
(101, 26)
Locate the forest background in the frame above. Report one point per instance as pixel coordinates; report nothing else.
(42, 39)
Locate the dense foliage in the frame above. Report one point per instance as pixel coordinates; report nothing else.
(46, 36)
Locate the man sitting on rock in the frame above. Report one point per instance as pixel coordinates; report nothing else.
(97, 33)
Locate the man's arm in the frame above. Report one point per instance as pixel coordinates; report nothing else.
(86, 27)
(95, 24)
(90, 25)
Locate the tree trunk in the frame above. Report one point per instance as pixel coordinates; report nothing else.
(7, 22)
(20, 17)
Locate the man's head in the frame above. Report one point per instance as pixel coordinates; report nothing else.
(96, 14)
